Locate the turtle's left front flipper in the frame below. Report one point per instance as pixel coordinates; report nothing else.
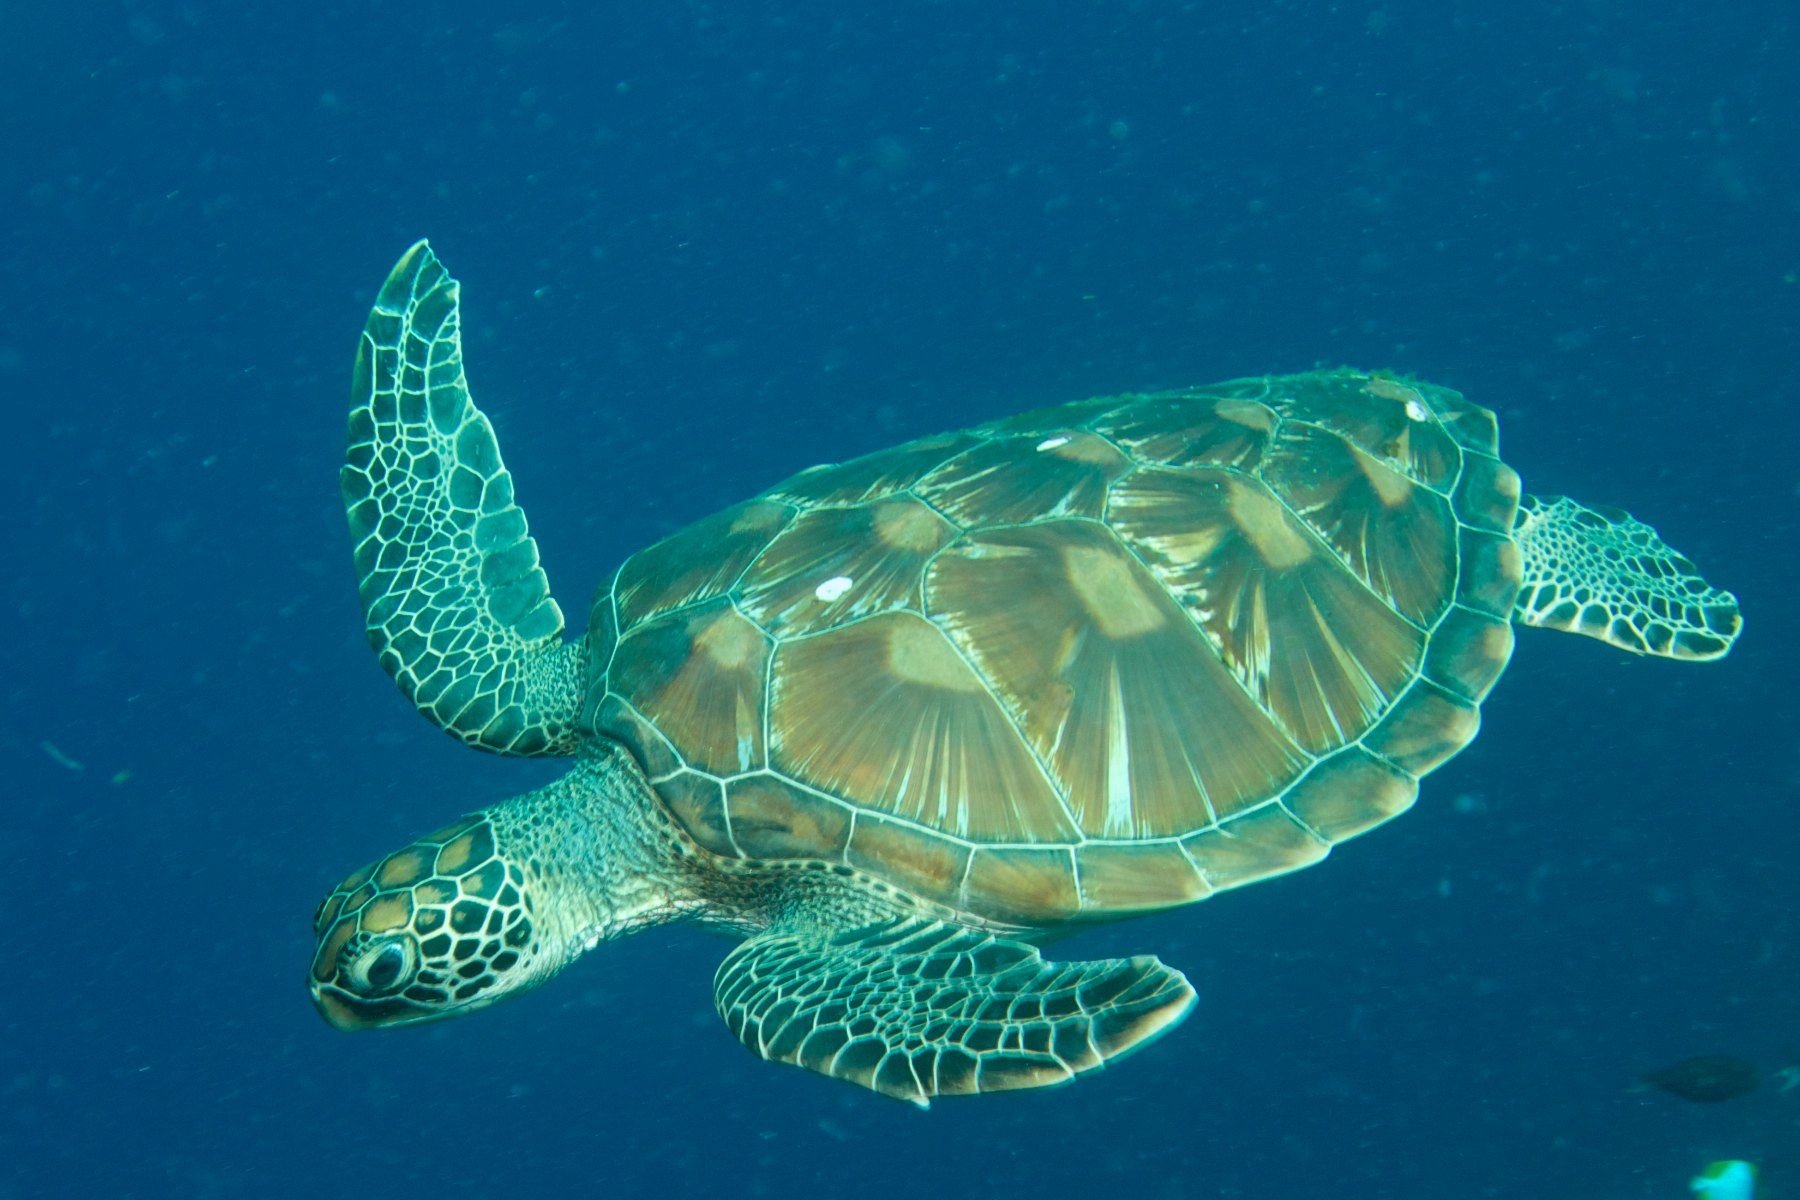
(1603, 573)
(456, 605)
(915, 1008)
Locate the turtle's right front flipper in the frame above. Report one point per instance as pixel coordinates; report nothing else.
(915, 1008)
(457, 607)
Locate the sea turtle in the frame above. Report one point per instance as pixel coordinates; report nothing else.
(894, 720)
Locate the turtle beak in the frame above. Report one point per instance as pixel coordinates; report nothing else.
(338, 1014)
(350, 1013)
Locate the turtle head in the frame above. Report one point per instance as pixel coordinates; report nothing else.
(441, 927)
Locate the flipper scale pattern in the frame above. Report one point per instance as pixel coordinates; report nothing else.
(457, 608)
(915, 1008)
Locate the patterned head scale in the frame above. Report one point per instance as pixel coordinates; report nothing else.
(439, 927)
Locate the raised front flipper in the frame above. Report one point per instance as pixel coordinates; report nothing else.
(915, 1008)
(1601, 572)
(457, 607)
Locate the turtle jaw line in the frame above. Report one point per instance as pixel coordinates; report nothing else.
(344, 1010)
(350, 1013)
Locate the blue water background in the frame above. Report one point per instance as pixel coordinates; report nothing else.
(704, 245)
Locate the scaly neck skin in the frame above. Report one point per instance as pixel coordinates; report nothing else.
(599, 858)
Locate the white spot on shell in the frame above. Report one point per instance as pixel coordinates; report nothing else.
(1051, 443)
(1417, 411)
(834, 587)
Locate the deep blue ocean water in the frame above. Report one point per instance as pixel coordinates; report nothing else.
(703, 245)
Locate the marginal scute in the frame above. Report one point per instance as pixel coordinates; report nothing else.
(700, 562)
(1120, 879)
(602, 639)
(1350, 793)
(922, 863)
(1254, 846)
(1492, 569)
(1026, 886)
(698, 676)
(772, 819)
(876, 550)
(698, 802)
(1468, 652)
(880, 474)
(1487, 495)
(1426, 727)
(1471, 425)
(618, 721)
(1025, 479)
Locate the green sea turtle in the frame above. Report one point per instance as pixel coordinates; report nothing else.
(894, 720)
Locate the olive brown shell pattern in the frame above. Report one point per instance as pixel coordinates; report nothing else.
(1096, 659)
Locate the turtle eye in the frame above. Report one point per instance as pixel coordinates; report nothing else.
(384, 967)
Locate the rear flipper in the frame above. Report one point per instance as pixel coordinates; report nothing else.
(914, 1008)
(1600, 572)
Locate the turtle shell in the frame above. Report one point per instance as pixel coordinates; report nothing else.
(1096, 659)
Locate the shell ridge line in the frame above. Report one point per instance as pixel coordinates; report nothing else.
(1393, 463)
(1058, 790)
(1199, 629)
(1321, 542)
